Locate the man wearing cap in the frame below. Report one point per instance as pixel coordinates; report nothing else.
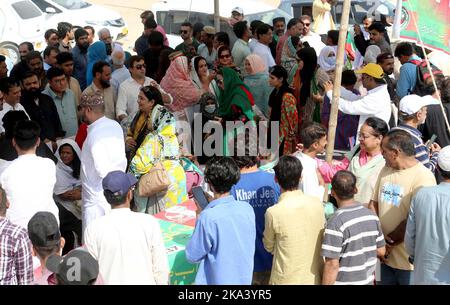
(28, 180)
(128, 245)
(16, 262)
(413, 112)
(397, 183)
(429, 216)
(77, 267)
(206, 49)
(43, 231)
(377, 101)
(237, 14)
(103, 151)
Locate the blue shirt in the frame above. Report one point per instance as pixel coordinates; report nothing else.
(428, 234)
(260, 190)
(408, 77)
(79, 66)
(224, 243)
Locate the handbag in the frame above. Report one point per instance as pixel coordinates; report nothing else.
(156, 180)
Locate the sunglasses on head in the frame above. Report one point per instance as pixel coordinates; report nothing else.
(139, 66)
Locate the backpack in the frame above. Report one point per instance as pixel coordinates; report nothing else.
(423, 75)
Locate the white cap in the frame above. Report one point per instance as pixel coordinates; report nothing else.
(444, 158)
(411, 104)
(239, 10)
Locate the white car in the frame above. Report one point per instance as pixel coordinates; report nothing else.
(82, 13)
(20, 20)
(170, 14)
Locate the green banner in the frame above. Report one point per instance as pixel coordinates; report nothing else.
(433, 19)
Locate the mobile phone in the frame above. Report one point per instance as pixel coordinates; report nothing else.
(200, 197)
(431, 141)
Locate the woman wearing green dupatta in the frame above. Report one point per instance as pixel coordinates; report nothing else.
(235, 104)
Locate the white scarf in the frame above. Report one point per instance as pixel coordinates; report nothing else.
(64, 179)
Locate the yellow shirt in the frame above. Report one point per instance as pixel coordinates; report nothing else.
(393, 192)
(293, 234)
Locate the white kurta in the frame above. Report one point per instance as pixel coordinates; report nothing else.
(29, 181)
(103, 152)
(309, 183)
(129, 248)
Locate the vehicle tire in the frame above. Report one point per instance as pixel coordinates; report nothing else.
(13, 50)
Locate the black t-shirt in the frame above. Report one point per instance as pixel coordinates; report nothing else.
(275, 104)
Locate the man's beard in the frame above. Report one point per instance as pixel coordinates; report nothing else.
(83, 47)
(105, 84)
(33, 93)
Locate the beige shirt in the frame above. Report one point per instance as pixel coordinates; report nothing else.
(109, 97)
(74, 85)
(393, 192)
(293, 234)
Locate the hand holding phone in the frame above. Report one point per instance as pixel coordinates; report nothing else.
(431, 141)
(200, 197)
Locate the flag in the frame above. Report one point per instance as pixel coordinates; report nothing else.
(433, 19)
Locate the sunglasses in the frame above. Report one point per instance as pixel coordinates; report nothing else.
(306, 24)
(225, 56)
(183, 32)
(139, 66)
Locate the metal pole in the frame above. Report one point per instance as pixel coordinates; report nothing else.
(216, 15)
(397, 20)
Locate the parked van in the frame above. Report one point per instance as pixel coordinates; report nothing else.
(170, 14)
(20, 20)
(82, 13)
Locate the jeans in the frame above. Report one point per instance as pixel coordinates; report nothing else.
(392, 276)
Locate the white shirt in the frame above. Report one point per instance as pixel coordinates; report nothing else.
(118, 77)
(309, 183)
(103, 152)
(28, 182)
(264, 52)
(376, 103)
(128, 95)
(129, 248)
(6, 108)
(315, 41)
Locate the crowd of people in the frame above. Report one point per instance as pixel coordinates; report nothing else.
(91, 147)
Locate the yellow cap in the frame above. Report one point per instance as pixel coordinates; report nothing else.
(373, 70)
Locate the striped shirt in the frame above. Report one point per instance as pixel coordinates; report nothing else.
(422, 152)
(16, 263)
(353, 236)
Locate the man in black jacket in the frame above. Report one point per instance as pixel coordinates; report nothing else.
(41, 109)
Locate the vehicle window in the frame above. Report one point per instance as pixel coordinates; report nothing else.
(26, 9)
(161, 18)
(72, 4)
(42, 4)
(174, 19)
(268, 16)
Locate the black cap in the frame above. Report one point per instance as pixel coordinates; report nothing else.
(77, 267)
(43, 230)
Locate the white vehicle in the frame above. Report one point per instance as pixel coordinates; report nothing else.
(170, 14)
(82, 13)
(20, 20)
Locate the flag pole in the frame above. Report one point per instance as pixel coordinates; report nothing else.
(397, 20)
(337, 84)
(413, 17)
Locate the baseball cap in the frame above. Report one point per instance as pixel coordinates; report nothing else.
(118, 183)
(77, 267)
(95, 99)
(411, 104)
(444, 158)
(209, 30)
(373, 70)
(238, 10)
(43, 230)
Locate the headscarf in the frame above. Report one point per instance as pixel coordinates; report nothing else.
(371, 54)
(96, 53)
(203, 102)
(194, 75)
(309, 58)
(177, 82)
(234, 94)
(65, 180)
(327, 59)
(289, 59)
(257, 64)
